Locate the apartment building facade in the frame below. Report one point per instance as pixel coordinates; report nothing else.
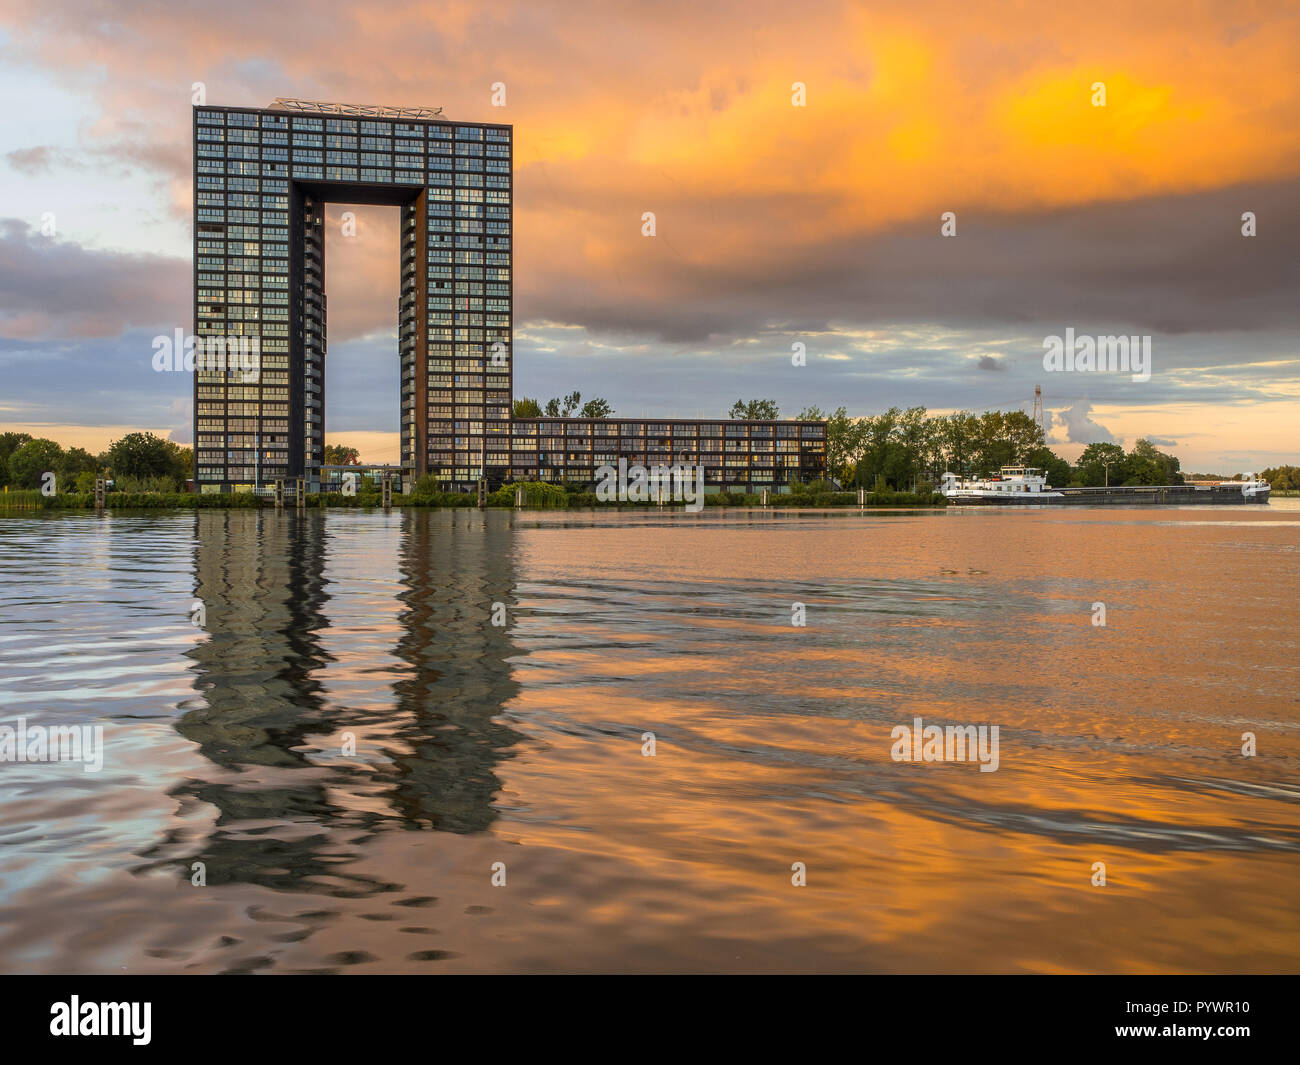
(262, 180)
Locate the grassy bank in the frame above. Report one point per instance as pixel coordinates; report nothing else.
(537, 497)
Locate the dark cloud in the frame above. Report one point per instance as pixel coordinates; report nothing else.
(52, 288)
(102, 381)
(1168, 264)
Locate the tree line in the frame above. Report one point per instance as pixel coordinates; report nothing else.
(1282, 478)
(903, 449)
(138, 462)
(569, 406)
(898, 449)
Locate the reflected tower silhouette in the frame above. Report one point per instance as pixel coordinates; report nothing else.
(292, 812)
(454, 567)
(259, 582)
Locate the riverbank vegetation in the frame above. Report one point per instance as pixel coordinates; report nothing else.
(897, 456)
(425, 494)
(138, 462)
(912, 449)
(1285, 480)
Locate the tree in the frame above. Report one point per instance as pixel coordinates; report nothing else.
(755, 410)
(30, 462)
(1055, 469)
(596, 408)
(913, 441)
(1096, 460)
(992, 448)
(9, 443)
(563, 408)
(844, 437)
(527, 408)
(182, 462)
(1148, 465)
(1282, 478)
(76, 462)
(142, 455)
(957, 442)
(1022, 435)
(875, 459)
(341, 455)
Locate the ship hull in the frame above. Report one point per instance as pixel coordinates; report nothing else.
(1136, 496)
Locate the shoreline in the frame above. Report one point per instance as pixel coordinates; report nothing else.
(313, 504)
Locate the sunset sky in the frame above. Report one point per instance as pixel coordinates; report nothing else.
(776, 223)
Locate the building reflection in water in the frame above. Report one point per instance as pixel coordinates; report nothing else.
(293, 809)
(457, 677)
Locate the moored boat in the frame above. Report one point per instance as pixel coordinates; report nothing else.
(1012, 485)
(1020, 485)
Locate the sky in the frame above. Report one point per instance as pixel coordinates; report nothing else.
(798, 161)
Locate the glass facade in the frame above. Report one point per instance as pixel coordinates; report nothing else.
(261, 180)
(746, 455)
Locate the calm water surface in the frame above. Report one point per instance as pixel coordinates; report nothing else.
(522, 743)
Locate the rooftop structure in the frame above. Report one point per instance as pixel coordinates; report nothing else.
(319, 107)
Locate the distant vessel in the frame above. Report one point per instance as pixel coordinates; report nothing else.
(1254, 490)
(1027, 485)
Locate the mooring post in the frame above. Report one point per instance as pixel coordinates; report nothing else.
(300, 493)
(388, 491)
(99, 493)
(279, 494)
(482, 471)
(519, 497)
(862, 497)
(763, 497)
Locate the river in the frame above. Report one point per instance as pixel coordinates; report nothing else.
(652, 741)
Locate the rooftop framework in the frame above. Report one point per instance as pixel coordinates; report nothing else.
(319, 107)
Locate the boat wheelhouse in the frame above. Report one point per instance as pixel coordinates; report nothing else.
(1012, 484)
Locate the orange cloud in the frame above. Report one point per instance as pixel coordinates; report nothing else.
(913, 107)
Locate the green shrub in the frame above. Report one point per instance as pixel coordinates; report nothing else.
(23, 499)
(141, 485)
(536, 494)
